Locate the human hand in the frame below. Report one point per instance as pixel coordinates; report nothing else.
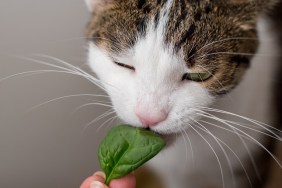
(98, 180)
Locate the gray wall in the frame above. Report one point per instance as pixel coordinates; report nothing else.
(50, 146)
(47, 147)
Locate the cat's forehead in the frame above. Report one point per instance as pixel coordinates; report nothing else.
(189, 25)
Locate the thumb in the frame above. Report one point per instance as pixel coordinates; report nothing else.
(95, 181)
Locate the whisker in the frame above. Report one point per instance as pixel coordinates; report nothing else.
(249, 137)
(190, 143)
(249, 153)
(238, 53)
(240, 136)
(219, 163)
(237, 157)
(103, 115)
(60, 98)
(72, 70)
(92, 104)
(186, 146)
(108, 120)
(260, 124)
(255, 130)
(44, 63)
(226, 129)
(32, 73)
(110, 123)
(99, 118)
(247, 127)
(221, 147)
(89, 77)
(111, 111)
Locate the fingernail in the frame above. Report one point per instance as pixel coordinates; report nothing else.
(96, 184)
(100, 174)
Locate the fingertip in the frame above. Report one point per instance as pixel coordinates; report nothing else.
(97, 184)
(97, 177)
(100, 174)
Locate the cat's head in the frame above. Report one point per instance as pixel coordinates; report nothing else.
(159, 60)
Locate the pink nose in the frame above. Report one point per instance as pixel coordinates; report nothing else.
(149, 119)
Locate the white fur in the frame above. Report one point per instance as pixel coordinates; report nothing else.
(253, 99)
(156, 85)
(198, 167)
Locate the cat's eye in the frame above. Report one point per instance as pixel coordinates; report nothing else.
(125, 66)
(197, 77)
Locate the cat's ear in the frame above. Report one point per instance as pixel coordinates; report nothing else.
(92, 4)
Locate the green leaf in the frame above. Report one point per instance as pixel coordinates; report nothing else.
(126, 148)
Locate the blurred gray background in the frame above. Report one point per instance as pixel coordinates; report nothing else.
(51, 145)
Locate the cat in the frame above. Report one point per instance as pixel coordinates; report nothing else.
(165, 62)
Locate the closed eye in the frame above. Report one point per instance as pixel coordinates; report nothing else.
(197, 77)
(125, 66)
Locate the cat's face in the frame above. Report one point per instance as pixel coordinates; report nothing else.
(159, 60)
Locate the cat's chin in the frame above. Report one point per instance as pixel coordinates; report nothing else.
(169, 139)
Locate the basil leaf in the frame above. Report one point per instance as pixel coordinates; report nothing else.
(126, 148)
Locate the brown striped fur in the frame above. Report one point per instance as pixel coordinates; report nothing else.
(117, 24)
(192, 26)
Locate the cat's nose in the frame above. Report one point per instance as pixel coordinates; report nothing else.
(150, 119)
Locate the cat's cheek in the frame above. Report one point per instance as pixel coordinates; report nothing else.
(124, 102)
(124, 112)
(118, 83)
(187, 103)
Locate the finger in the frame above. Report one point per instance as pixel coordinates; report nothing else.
(97, 180)
(97, 184)
(128, 181)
